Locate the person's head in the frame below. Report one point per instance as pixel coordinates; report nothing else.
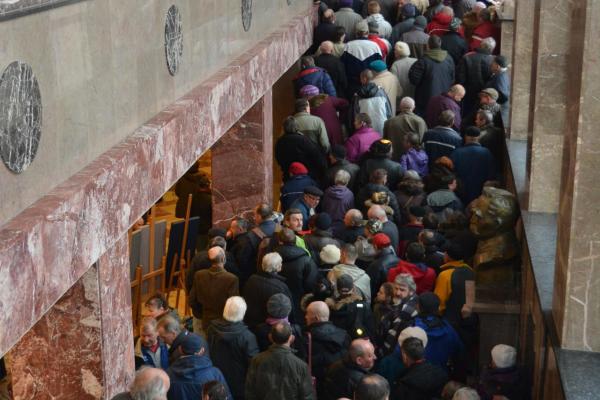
(450, 181)
(488, 45)
(235, 309)
(192, 344)
(373, 7)
(483, 118)
(413, 332)
(339, 34)
(454, 252)
(168, 329)
(361, 29)
(405, 286)
(290, 125)
(307, 62)
(345, 3)
(377, 212)
(413, 351)
(279, 306)
(328, 15)
(446, 118)
(263, 212)
(434, 42)
(362, 120)
(156, 306)
(342, 177)
(148, 332)
(238, 226)
(488, 96)
(312, 196)
(407, 104)
(416, 214)
(326, 47)
(362, 353)
(216, 256)
(349, 254)
(445, 162)
(372, 387)
(317, 311)
(287, 236)
(385, 295)
(407, 9)
(297, 169)
(344, 285)
(378, 176)
(427, 237)
(420, 23)
(401, 50)
(478, 7)
(150, 384)
(366, 76)
(293, 219)
(337, 153)
(214, 390)
(485, 15)
(429, 303)
(373, 227)
(447, 11)
(281, 334)
(466, 393)
(271, 263)
(450, 388)
(472, 134)
(499, 64)
(457, 92)
(301, 105)
(415, 252)
(504, 356)
(352, 218)
(412, 141)
(381, 241)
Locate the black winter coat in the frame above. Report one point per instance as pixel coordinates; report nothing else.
(378, 269)
(473, 71)
(300, 273)
(336, 71)
(455, 45)
(341, 380)
(432, 75)
(257, 291)
(232, 346)
(296, 147)
(329, 344)
(395, 172)
(422, 381)
(352, 313)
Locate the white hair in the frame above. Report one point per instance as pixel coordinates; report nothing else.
(272, 262)
(488, 44)
(342, 177)
(234, 310)
(149, 385)
(406, 280)
(407, 104)
(466, 393)
(414, 332)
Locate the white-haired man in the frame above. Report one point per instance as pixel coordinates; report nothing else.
(211, 289)
(149, 384)
(503, 377)
(397, 128)
(232, 345)
(261, 286)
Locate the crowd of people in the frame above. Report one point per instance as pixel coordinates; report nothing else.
(358, 284)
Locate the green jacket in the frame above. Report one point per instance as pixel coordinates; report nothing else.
(277, 374)
(313, 128)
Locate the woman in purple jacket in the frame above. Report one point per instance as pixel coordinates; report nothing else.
(327, 107)
(362, 139)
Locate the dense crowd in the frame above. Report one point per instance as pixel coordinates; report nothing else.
(358, 284)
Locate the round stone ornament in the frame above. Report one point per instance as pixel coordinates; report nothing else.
(246, 14)
(20, 116)
(173, 40)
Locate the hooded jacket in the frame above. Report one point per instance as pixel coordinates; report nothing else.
(352, 313)
(359, 277)
(257, 291)
(300, 273)
(432, 75)
(336, 201)
(443, 343)
(421, 381)
(379, 268)
(317, 77)
(439, 25)
(360, 142)
(189, 373)
(372, 99)
(417, 160)
(423, 275)
(232, 346)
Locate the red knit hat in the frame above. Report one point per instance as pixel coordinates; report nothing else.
(297, 168)
(381, 240)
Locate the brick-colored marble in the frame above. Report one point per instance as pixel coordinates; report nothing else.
(242, 160)
(60, 357)
(576, 302)
(49, 246)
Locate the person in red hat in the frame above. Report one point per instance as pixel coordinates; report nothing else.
(293, 189)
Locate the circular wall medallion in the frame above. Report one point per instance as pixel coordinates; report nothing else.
(173, 39)
(246, 14)
(20, 116)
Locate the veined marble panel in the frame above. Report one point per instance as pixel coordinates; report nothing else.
(18, 8)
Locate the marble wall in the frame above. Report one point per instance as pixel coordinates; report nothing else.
(102, 73)
(576, 305)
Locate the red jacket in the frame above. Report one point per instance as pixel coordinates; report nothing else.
(440, 25)
(484, 30)
(423, 275)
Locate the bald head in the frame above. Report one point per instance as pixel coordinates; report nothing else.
(353, 217)
(216, 255)
(457, 92)
(150, 383)
(377, 212)
(362, 353)
(317, 311)
(407, 104)
(326, 47)
(328, 15)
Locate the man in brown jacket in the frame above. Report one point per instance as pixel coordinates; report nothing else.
(211, 289)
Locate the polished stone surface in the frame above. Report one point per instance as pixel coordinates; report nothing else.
(18, 8)
(20, 116)
(579, 371)
(247, 14)
(173, 39)
(50, 245)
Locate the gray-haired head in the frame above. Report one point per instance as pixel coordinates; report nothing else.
(466, 394)
(488, 44)
(406, 280)
(342, 177)
(234, 310)
(272, 262)
(150, 384)
(407, 104)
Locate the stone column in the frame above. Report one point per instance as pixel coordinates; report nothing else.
(549, 69)
(82, 348)
(521, 68)
(242, 174)
(576, 302)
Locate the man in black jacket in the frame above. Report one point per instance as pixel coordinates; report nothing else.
(337, 159)
(380, 156)
(294, 146)
(298, 269)
(420, 380)
(386, 258)
(473, 71)
(334, 68)
(344, 375)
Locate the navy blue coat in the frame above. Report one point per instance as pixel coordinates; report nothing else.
(293, 189)
(317, 77)
(188, 374)
(473, 164)
(440, 141)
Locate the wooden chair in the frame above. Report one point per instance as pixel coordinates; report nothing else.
(136, 296)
